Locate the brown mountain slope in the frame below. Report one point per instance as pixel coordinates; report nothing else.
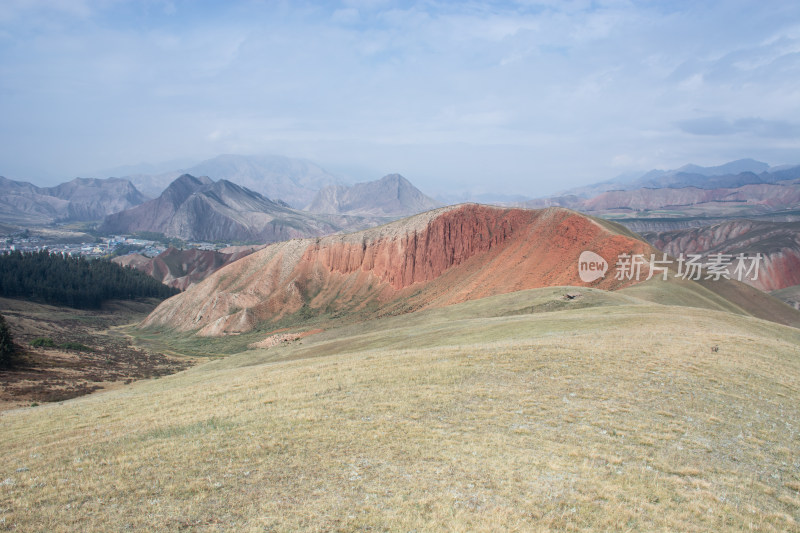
(183, 268)
(790, 295)
(444, 256)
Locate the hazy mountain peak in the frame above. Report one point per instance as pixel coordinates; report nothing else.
(390, 196)
(732, 167)
(277, 177)
(183, 187)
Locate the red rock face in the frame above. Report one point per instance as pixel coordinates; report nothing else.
(778, 270)
(417, 257)
(434, 259)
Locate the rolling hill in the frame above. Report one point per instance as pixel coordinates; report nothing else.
(520, 411)
(790, 295)
(411, 377)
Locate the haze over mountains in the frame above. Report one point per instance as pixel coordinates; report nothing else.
(193, 208)
(294, 181)
(202, 209)
(692, 191)
(731, 174)
(390, 196)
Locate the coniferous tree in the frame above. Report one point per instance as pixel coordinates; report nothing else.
(8, 350)
(74, 282)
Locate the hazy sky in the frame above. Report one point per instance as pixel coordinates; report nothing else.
(508, 97)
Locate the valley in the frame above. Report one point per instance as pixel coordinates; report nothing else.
(70, 352)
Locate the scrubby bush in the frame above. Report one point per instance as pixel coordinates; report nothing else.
(43, 342)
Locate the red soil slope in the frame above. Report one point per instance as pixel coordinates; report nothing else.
(433, 259)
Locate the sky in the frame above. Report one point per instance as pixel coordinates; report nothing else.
(527, 97)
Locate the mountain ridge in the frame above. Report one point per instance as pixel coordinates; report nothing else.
(80, 199)
(193, 208)
(724, 175)
(182, 268)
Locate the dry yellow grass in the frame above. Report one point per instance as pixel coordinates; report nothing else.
(612, 417)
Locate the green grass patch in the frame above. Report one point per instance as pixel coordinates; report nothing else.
(182, 431)
(43, 342)
(47, 342)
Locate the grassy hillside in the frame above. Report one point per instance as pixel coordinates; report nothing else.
(720, 295)
(790, 295)
(526, 411)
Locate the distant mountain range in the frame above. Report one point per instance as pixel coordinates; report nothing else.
(390, 196)
(683, 195)
(193, 208)
(81, 199)
(294, 181)
(730, 175)
(199, 208)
